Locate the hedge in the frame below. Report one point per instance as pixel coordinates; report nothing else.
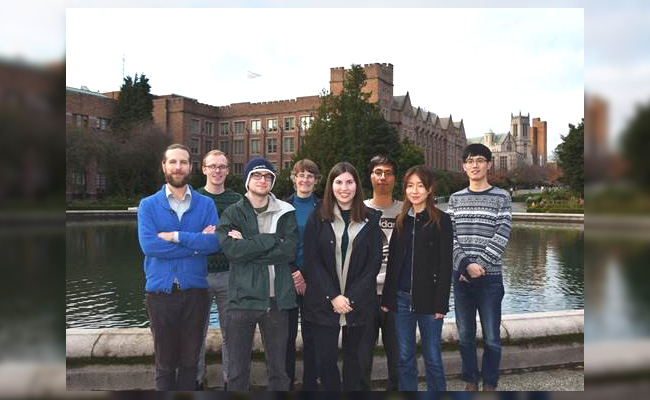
(558, 210)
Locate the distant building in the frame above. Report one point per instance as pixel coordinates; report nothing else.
(596, 126)
(523, 145)
(273, 129)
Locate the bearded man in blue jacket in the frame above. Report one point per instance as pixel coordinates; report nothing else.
(176, 230)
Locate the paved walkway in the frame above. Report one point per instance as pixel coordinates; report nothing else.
(565, 379)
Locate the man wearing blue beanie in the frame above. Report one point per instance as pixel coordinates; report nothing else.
(259, 235)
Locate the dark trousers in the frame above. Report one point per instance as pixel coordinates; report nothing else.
(240, 329)
(483, 295)
(386, 322)
(308, 352)
(177, 322)
(326, 339)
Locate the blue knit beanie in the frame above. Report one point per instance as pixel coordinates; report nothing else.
(258, 164)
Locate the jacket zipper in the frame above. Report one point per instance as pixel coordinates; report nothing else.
(412, 258)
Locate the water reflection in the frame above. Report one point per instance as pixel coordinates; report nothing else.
(543, 271)
(618, 296)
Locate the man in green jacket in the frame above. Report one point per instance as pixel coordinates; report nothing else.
(258, 235)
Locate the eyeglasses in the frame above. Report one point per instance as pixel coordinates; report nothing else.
(258, 176)
(383, 172)
(214, 167)
(305, 176)
(477, 161)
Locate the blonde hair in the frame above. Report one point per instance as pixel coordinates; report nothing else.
(213, 153)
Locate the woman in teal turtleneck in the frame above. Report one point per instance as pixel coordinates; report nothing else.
(304, 175)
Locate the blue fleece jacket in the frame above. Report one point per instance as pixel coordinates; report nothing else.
(185, 260)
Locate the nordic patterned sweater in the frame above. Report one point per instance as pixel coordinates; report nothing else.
(481, 223)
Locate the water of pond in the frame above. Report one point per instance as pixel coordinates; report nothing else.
(544, 271)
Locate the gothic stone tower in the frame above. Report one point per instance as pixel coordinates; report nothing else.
(379, 83)
(520, 129)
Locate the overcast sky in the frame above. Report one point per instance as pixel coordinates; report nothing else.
(478, 65)
(534, 57)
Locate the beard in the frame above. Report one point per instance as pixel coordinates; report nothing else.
(176, 182)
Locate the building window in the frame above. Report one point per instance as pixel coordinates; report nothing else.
(272, 125)
(271, 145)
(305, 122)
(194, 146)
(223, 145)
(103, 123)
(195, 167)
(503, 162)
(289, 123)
(287, 164)
(101, 181)
(238, 146)
(194, 126)
(208, 145)
(80, 120)
(256, 126)
(240, 127)
(78, 178)
(224, 128)
(509, 146)
(238, 168)
(255, 146)
(209, 128)
(287, 145)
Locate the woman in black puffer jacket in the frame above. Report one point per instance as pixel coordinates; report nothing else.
(342, 256)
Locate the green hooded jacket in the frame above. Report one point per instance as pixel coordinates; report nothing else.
(250, 257)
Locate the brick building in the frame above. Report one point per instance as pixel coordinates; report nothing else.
(87, 110)
(273, 129)
(441, 139)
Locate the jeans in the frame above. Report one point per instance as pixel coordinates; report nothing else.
(218, 282)
(385, 321)
(240, 330)
(177, 321)
(326, 339)
(483, 295)
(430, 334)
(309, 374)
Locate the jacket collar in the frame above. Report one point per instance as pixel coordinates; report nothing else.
(275, 205)
(161, 196)
(424, 213)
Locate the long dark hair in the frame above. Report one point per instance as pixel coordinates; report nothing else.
(426, 176)
(358, 212)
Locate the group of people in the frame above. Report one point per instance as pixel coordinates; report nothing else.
(340, 265)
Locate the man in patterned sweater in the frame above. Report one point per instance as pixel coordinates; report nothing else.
(481, 216)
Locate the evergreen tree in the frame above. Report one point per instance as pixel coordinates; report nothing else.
(134, 105)
(348, 128)
(571, 157)
(635, 144)
(409, 156)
